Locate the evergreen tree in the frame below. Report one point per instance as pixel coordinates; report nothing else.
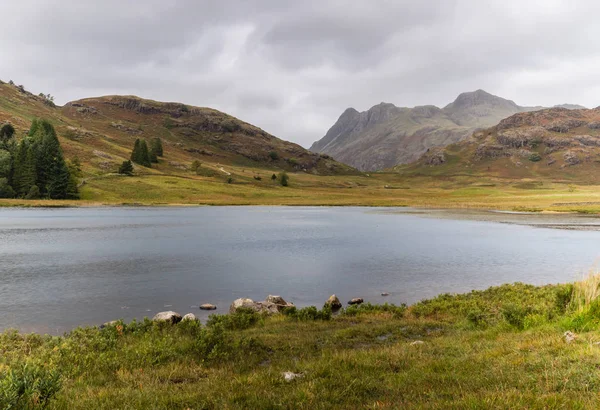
(135, 154)
(140, 154)
(126, 168)
(6, 133)
(273, 177)
(156, 147)
(153, 157)
(283, 178)
(34, 193)
(29, 172)
(144, 154)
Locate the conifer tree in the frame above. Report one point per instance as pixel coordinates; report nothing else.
(144, 154)
(153, 157)
(126, 168)
(156, 146)
(135, 154)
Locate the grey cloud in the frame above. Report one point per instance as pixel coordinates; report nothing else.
(293, 67)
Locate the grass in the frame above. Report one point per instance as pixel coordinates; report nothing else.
(498, 348)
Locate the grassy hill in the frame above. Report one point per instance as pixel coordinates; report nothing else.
(101, 132)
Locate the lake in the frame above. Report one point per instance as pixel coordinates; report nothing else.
(61, 268)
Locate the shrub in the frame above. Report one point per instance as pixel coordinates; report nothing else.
(273, 177)
(477, 318)
(274, 155)
(195, 166)
(535, 157)
(241, 319)
(126, 168)
(28, 387)
(34, 193)
(283, 178)
(293, 161)
(230, 126)
(230, 180)
(515, 315)
(6, 191)
(308, 313)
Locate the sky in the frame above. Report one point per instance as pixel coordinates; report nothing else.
(292, 67)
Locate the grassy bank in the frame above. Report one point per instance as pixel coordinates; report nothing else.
(499, 348)
(374, 190)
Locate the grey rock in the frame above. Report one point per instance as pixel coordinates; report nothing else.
(208, 306)
(289, 376)
(355, 301)
(189, 316)
(333, 302)
(168, 316)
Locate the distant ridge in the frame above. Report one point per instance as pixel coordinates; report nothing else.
(386, 135)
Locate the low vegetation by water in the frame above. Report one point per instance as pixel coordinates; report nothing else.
(504, 347)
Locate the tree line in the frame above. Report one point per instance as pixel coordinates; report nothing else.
(35, 167)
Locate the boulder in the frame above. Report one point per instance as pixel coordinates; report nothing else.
(242, 303)
(571, 158)
(385, 294)
(355, 301)
(208, 306)
(278, 301)
(189, 316)
(266, 306)
(333, 302)
(109, 324)
(168, 316)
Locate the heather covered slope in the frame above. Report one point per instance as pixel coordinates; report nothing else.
(387, 135)
(101, 132)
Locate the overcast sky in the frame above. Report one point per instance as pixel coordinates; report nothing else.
(292, 67)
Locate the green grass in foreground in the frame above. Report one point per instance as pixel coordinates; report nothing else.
(499, 348)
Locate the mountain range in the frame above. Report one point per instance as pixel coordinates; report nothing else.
(387, 135)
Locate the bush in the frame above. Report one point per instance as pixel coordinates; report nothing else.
(273, 177)
(34, 193)
(6, 191)
(283, 178)
(293, 161)
(308, 313)
(230, 180)
(126, 168)
(535, 157)
(241, 319)
(230, 126)
(515, 315)
(274, 155)
(28, 387)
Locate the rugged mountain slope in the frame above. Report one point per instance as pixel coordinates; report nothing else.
(387, 135)
(555, 143)
(101, 132)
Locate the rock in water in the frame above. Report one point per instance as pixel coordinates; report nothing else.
(278, 302)
(189, 316)
(385, 294)
(355, 301)
(242, 303)
(333, 302)
(207, 306)
(168, 316)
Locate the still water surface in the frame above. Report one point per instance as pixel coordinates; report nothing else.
(60, 268)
